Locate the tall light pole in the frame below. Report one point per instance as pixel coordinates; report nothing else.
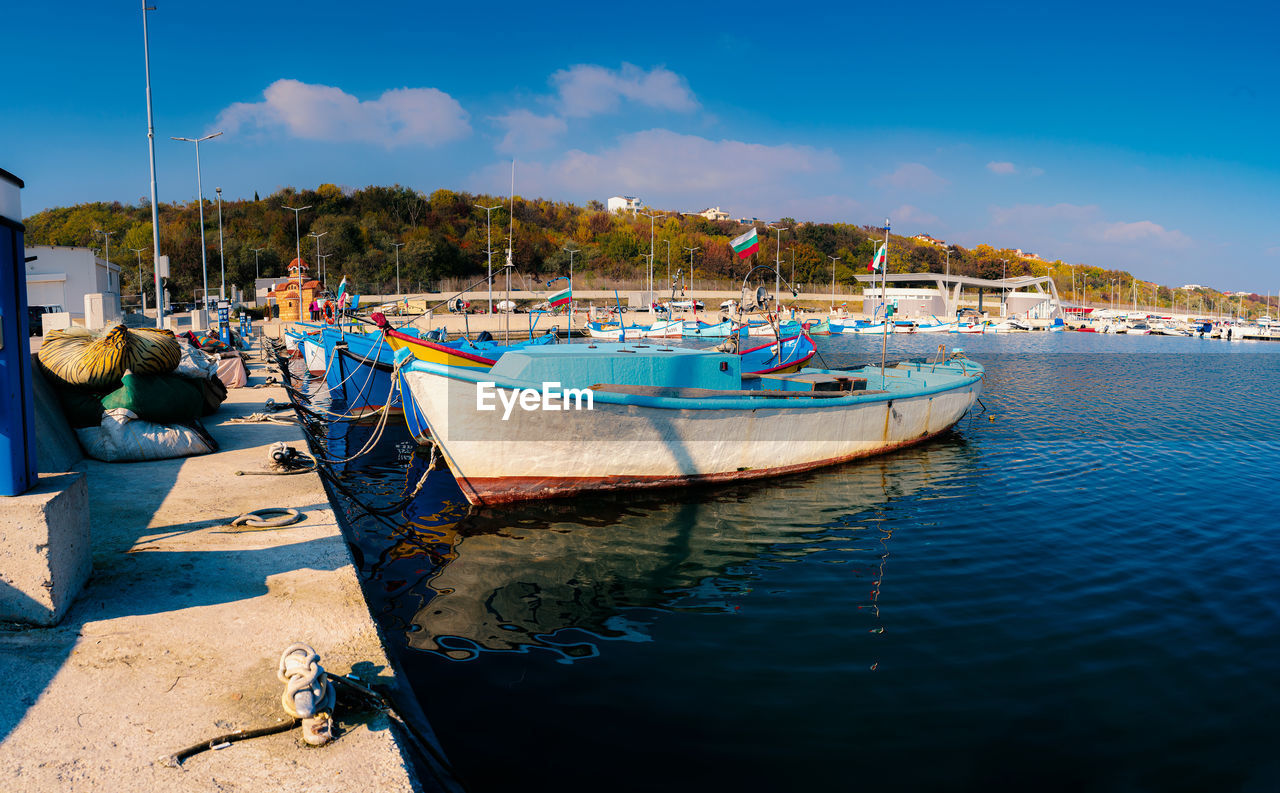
(948, 261)
(1004, 290)
(151, 148)
(204, 263)
(324, 259)
(649, 304)
(318, 262)
(106, 238)
(138, 252)
(833, 259)
(297, 234)
(256, 273)
(571, 252)
(222, 257)
(691, 250)
(668, 242)
(488, 234)
(397, 246)
(777, 262)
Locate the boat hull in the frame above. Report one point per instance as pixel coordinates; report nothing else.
(627, 442)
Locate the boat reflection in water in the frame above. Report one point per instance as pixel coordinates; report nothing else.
(566, 576)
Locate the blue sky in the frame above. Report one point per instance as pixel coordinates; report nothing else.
(1138, 137)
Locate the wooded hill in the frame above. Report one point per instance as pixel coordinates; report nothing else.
(444, 240)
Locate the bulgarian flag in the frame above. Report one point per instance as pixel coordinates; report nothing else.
(562, 297)
(877, 264)
(747, 244)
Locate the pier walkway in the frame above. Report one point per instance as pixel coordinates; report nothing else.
(176, 637)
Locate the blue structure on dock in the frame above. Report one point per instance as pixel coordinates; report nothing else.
(17, 409)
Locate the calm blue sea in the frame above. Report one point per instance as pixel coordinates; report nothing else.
(1078, 589)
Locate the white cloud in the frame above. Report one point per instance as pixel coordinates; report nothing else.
(1002, 167)
(588, 90)
(1144, 231)
(913, 177)
(1041, 214)
(1067, 224)
(910, 214)
(528, 131)
(401, 116)
(671, 169)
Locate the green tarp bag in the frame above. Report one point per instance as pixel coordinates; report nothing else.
(158, 398)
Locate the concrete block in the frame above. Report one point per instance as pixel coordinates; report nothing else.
(95, 311)
(45, 551)
(199, 321)
(59, 320)
(173, 324)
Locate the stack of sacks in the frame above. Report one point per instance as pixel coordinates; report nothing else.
(132, 394)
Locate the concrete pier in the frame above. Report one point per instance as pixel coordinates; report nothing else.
(176, 637)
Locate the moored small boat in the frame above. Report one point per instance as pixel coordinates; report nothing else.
(552, 421)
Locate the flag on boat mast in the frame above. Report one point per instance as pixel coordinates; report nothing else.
(342, 287)
(747, 244)
(562, 297)
(877, 264)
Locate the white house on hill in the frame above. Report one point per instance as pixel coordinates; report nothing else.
(624, 203)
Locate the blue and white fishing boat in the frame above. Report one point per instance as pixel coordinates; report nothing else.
(719, 330)
(363, 375)
(614, 331)
(552, 421)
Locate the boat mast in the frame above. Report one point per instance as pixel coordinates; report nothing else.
(884, 302)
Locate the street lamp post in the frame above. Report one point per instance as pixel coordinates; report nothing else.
(318, 262)
(488, 233)
(222, 258)
(649, 303)
(1004, 287)
(141, 296)
(668, 242)
(691, 250)
(833, 259)
(151, 149)
(204, 263)
(397, 246)
(297, 235)
(777, 263)
(572, 251)
(256, 273)
(106, 238)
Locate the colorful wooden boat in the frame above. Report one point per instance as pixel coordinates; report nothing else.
(611, 416)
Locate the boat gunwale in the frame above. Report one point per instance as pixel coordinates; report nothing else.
(959, 380)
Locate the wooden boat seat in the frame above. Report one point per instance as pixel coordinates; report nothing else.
(712, 393)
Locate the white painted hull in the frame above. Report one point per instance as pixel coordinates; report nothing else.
(659, 330)
(878, 329)
(942, 327)
(540, 454)
(313, 354)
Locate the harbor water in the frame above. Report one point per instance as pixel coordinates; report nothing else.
(1075, 589)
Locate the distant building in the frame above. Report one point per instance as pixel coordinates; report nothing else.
(714, 213)
(928, 240)
(1027, 255)
(748, 221)
(285, 294)
(1193, 286)
(624, 203)
(63, 275)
